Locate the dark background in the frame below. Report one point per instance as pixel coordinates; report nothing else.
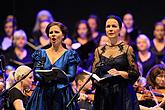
(146, 12)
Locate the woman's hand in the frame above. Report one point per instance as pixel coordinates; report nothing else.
(115, 72)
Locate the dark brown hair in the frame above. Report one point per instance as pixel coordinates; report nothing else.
(95, 17)
(153, 72)
(63, 28)
(116, 18)
(76, 35)
(13, 20)
(159, 23)
(80, 77)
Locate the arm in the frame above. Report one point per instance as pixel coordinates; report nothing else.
(133, 72)
(96, 60)
(73, 61)
(18, 104)
(16, 98)
(71, 72)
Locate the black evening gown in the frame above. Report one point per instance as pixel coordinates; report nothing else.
(115, 93)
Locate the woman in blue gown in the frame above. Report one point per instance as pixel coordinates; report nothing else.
(54, 95)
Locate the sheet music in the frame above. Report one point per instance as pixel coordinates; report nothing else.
(94, 76)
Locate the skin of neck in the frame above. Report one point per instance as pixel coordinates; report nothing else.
(144, 52)
(113, 40)
(83, 37)
(19, 48)
(57, 47)
(19, 87)
(93, 30)
(10, 36)
(159, 40)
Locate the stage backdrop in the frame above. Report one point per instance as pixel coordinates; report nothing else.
(146, 12)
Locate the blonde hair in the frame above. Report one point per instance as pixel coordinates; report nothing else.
(19, 73)
(143, 36)
(19, 33)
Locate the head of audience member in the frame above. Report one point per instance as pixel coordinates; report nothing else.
(20, 39)
(43, 24)
(68, 42)
(10, 17)
(41, 16)
(113, 26)
(57, 32)
(143, 43)
(104, 39)
(156, 76)
(159, 31)
(163, 20)
(80, 80)
(10, 26)
(9, 69)
(128, 20)
(82, 30)
(19, 73)
(124, 34)
(93, 22)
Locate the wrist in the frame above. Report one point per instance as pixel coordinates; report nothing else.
(123, 74)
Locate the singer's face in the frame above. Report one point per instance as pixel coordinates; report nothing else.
(55, 34)
(112, 28)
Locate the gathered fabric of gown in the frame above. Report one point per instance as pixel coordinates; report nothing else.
(115, 92)
(53, 95)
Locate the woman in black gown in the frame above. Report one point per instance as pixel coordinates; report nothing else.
(116, 60)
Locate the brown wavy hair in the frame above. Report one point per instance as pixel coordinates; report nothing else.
(152, 74)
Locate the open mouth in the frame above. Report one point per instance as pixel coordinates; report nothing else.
(54, 40)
